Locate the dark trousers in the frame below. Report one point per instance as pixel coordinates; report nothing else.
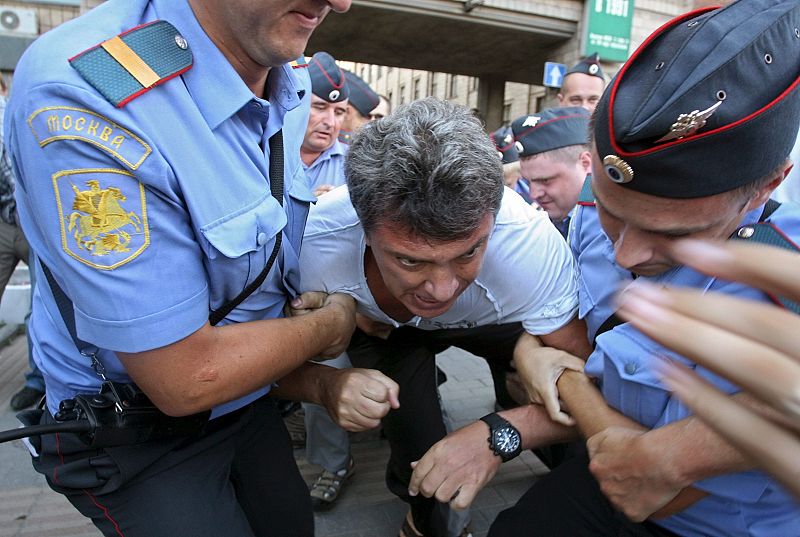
(409, 358)
(238, 479)
(568, 501)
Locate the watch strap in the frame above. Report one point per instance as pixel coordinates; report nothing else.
(495, 420)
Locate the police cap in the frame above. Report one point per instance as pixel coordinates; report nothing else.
(503, 139)
(327, 79)
(550, 129)
(588, 66)
(362, 97)
(708, 103)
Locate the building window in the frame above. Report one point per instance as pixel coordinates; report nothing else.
(434, 86)
(453, 86)
(507, 114)
(416, 89)
(402, 93)
(473, 83)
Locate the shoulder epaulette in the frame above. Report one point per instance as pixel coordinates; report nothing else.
(768, 233)
(586, 196)
(299, 63)
(130, 64)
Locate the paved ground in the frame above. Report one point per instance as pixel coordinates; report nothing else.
(366, 509)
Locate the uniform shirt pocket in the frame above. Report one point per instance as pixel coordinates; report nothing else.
(244, 231)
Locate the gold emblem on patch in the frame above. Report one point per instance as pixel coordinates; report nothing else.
(106, 225)
(688, 124)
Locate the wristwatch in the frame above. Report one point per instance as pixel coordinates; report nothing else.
(504, 439)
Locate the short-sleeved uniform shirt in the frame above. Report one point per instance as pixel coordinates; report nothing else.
(328, 169)
(528, 273)
(150, 214)
(739, 504)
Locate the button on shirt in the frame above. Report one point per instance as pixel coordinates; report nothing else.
(528, 273)
(739, 504)
(147, 234)
(328, 169)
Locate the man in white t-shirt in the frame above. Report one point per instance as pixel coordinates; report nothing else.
(437, 253)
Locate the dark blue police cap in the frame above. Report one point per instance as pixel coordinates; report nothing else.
(362, 97)
(588, 66)
(708, 103)
(550, 129)
(503, 139)
(327, 79)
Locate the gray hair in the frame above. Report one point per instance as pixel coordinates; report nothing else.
(429, 168)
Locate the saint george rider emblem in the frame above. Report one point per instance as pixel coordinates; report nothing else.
(103, 216)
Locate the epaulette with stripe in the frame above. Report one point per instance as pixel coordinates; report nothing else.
(135, 61)
(299, 63)
(586, 196)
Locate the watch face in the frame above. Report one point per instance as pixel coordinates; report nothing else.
(506, 439)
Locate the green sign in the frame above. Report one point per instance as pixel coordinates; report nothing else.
(608, 29)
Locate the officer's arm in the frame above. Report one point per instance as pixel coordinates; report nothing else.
(593, 417)
(215, 365)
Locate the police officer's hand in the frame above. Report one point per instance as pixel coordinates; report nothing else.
(322, 189)
(539, 369)
(357, 398)
(752, 344)
(343, 308)
(456, 467)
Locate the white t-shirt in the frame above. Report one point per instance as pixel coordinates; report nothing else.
(528, 273)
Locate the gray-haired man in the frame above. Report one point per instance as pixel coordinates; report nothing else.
(436, 253)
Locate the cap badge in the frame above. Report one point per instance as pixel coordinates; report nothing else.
(518, 146)
(531, 121)
(500, 154)
(334, 94)
(508, 139)
(593, 69)
(617, 169)
(688, 124)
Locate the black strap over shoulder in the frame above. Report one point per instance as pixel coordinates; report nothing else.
(276, 186)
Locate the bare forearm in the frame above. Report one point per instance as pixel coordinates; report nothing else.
(219, 364)
(306, 383)
(586, 405)
(536, 428)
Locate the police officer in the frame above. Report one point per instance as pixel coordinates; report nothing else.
(673, 156)
(158, 173)
(363, 100)
(554, 159)
(322, 153)
(583, 84)
(503, 140)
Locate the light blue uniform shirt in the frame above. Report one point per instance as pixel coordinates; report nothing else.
(740, 504)
(328, 169)
(149, 215)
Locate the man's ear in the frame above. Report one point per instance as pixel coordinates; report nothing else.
(763, 193)
(585, 159)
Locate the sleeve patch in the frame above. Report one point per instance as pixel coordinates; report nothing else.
(55, 123)
(102, 216)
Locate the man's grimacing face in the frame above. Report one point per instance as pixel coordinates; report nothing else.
(426, 277)
(639, 224)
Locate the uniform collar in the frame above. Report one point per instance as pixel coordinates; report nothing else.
(338, 148)
(213, 83)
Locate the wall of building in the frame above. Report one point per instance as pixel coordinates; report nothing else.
(402, 85)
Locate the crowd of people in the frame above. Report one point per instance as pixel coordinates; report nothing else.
(308, 243)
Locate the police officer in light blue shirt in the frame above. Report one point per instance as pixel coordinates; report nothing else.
(156, 145)
(690, 139)
(321, 152)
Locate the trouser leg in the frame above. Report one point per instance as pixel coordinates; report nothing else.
(568, 501)
(237, 479)
(327, 444)
(414, 427)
